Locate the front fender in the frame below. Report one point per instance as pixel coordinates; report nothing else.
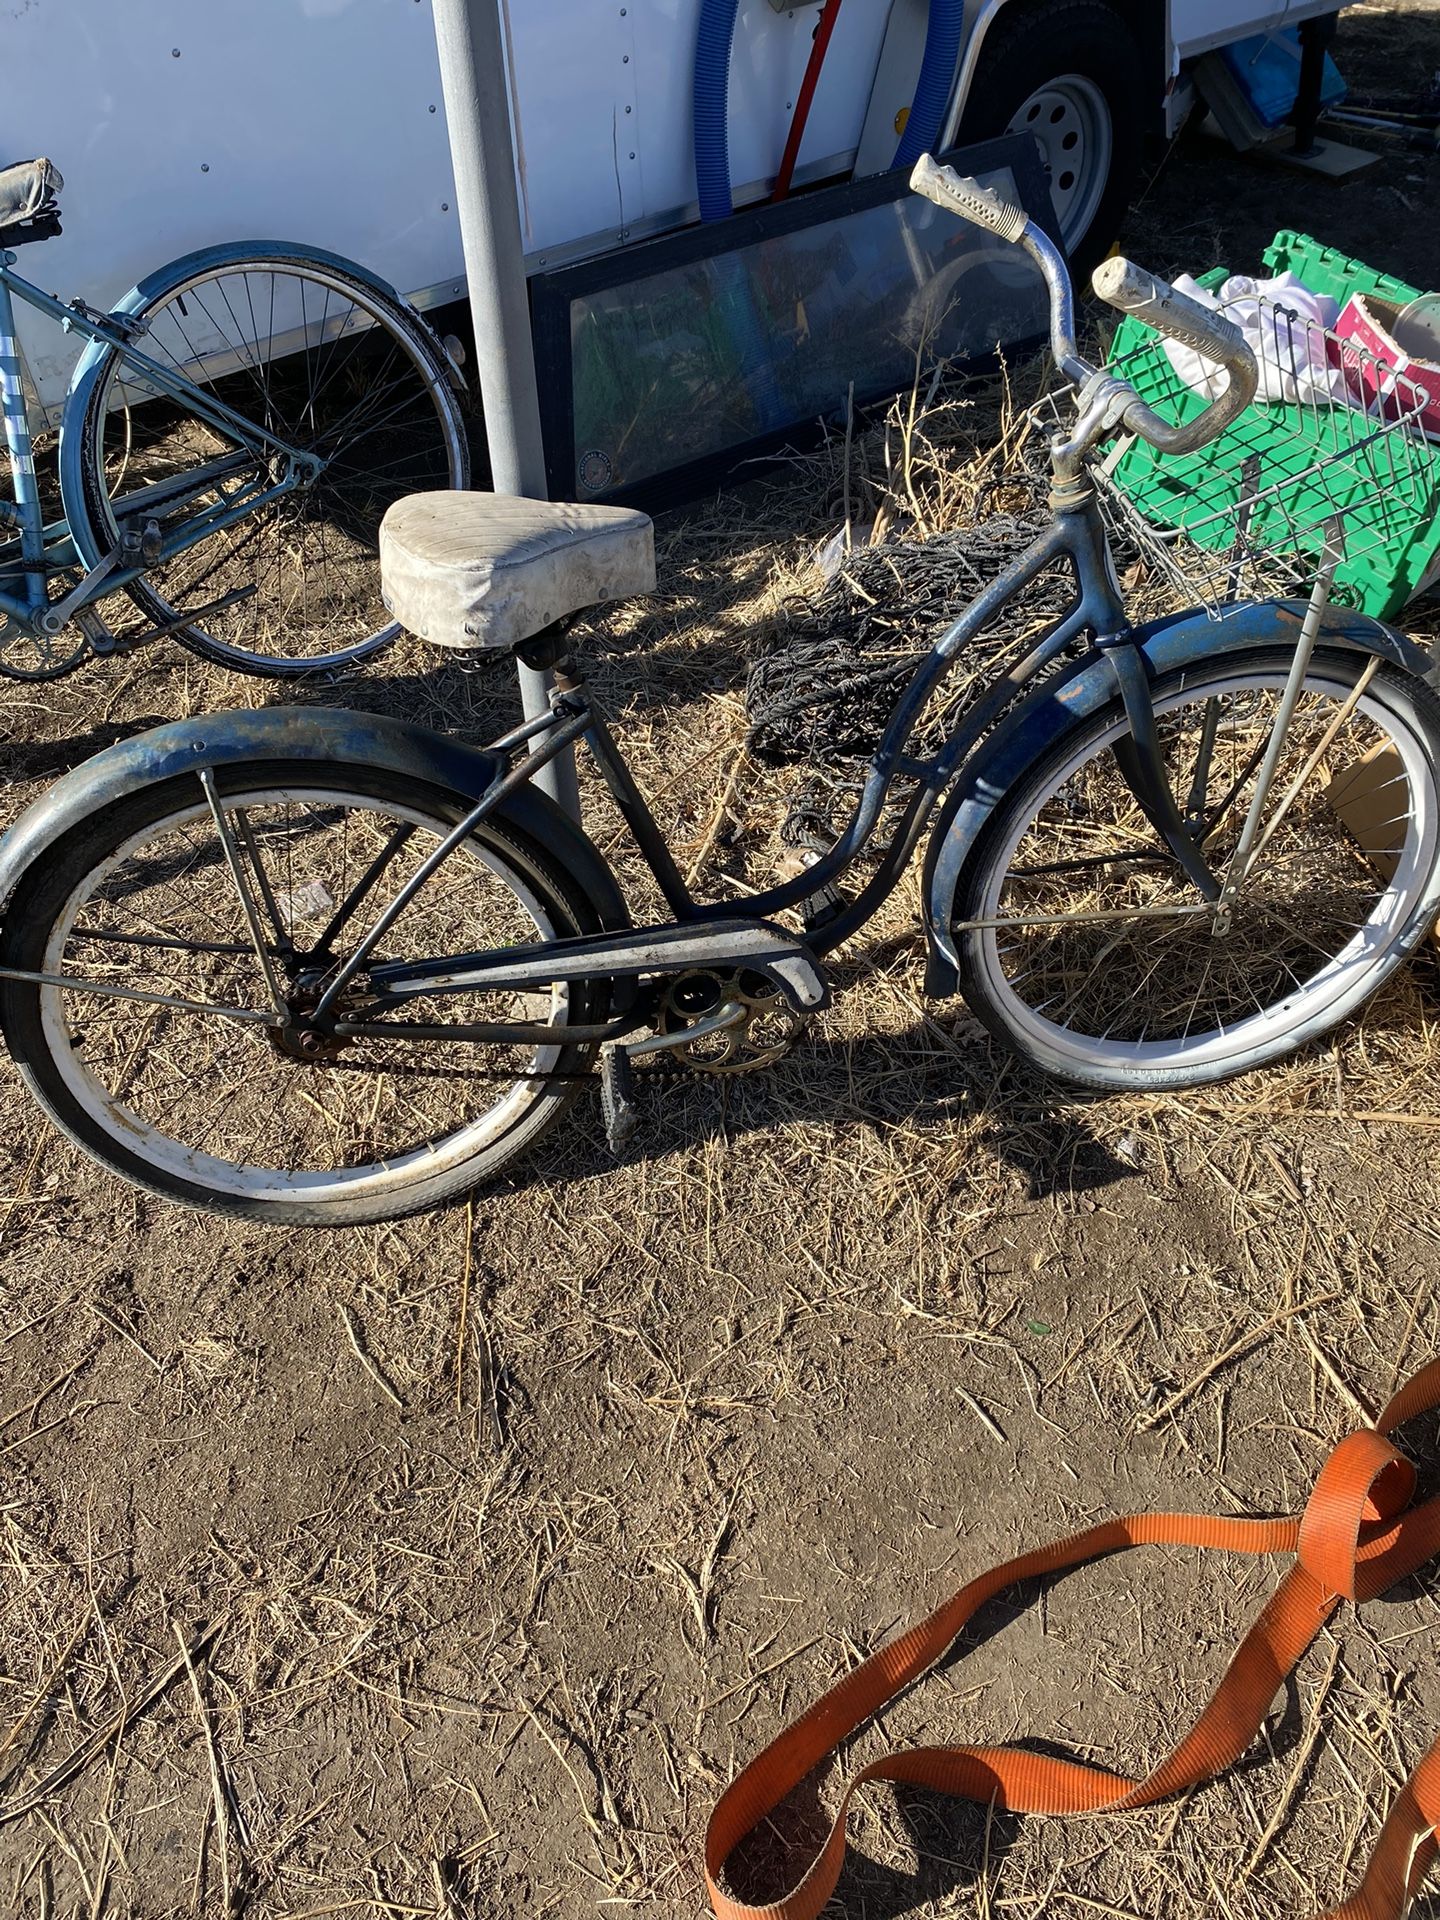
(1086, 686)
(91, 363)
(319, 735)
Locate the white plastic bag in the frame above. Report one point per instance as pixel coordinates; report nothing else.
(1284, 325)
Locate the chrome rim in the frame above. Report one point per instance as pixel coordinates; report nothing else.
(1096, 998)
(1070, 120)
(208, 1102)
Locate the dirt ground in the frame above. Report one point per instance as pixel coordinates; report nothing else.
(452, 1568)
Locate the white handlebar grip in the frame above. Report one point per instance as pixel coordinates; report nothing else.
(967, 198)
(1161, 306)
(1122, 284)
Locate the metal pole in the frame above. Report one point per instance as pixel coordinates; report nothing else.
(477, 109)
(1315, 36)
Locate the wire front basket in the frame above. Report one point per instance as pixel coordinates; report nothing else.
(1334, 440)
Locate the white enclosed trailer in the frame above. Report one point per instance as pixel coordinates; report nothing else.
(177, 125)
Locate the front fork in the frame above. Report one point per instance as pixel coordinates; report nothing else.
(1141, 762)
(1142, 765)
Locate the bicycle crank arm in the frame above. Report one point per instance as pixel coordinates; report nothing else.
(724, 945)
(732, 1014)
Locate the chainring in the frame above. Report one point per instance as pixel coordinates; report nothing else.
(37, 656)
(769, 1030)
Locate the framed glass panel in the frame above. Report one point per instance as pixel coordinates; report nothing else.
(664, 366)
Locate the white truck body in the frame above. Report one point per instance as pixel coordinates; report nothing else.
(178, 125)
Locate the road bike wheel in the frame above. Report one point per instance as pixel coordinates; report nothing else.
(217, 1111)
(1130, 986)
(332, 366)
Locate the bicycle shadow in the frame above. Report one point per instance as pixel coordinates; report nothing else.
(943, 1070)
(22, 760)
(927, 1075)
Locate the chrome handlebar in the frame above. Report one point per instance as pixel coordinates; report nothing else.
(1123, 286)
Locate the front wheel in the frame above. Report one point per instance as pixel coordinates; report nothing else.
(191, 1090)
(326, 362)
(1100, 962)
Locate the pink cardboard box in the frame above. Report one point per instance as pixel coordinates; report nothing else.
(1375, 324)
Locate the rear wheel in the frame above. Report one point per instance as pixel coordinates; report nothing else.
(203, 1100)
(331, 366)
(1105, 968)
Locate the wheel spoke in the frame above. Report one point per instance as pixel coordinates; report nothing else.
(360, 389)
(363, 887)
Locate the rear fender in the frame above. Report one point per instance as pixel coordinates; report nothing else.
(1084, 688)
(321, 736)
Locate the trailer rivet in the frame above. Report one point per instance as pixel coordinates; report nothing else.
(432, 109)
(204, 166)
(628, 109)
(174, 53)
(444, 206)
(625, 59)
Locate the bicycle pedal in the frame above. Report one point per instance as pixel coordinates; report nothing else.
(821, 908)
(617, 1102)
(98, 637)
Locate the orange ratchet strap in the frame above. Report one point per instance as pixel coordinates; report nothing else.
(1357, 1537)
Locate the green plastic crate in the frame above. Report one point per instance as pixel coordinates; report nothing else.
(1388, 490)
(1326, 270)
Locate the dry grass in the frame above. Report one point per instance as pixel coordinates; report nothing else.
(451, 1568)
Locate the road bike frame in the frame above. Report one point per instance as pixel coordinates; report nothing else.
(41, 548)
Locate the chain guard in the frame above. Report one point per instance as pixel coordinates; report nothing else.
(769, 1030)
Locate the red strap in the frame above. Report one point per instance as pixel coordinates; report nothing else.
(1357, 1537)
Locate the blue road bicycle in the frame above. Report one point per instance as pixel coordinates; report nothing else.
(234, 431)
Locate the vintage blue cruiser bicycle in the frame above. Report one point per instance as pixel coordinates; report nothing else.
(233, 434)
(324, 968)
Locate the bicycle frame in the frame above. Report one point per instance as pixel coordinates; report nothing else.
(1077, 533)
(44, 548)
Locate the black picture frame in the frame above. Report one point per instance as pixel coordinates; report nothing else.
(553, 294)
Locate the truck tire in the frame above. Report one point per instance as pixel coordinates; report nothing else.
(1069, 72)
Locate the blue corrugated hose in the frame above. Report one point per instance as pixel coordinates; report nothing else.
(937, 80)
(712, 102)
(753, 340)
